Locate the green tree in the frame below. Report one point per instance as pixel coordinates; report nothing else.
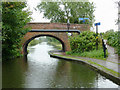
(113, 39)
(62, 11)
(14, 18)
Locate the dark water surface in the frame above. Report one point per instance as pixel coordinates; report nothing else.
(42, 71)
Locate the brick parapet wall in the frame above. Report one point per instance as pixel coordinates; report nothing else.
(36, 25)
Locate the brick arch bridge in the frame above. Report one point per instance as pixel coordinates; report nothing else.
(55, 30)
(60, 35)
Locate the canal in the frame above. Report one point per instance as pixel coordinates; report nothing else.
(42, 71)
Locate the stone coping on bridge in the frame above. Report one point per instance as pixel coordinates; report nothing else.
(53, 23)
(53, 30)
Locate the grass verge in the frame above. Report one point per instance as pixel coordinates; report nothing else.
(97, 54)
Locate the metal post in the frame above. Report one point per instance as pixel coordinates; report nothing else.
(68, 24)
(96, 24)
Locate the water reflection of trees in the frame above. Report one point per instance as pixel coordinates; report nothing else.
(71, 74)
(13, 73)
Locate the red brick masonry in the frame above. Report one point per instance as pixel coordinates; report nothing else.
(35, 25)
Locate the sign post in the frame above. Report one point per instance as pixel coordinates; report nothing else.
(96, 24)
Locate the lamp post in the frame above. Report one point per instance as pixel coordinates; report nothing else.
(68, 24)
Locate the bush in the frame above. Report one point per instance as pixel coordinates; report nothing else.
(86, 41)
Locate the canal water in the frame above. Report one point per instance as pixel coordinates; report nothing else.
(42, 71)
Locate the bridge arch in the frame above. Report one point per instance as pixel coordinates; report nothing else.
(60, 36)
(29, 40)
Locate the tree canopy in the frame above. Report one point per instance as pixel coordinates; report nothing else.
(14, 18)
(62, 11)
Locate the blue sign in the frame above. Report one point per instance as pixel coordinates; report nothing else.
(97, 24)
(81, 19)
(86, 18)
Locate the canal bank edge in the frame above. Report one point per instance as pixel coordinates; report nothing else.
(108, 73)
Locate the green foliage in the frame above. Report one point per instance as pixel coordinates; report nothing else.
(85, 45)
(61, 11)
(54, 40)
(118, 43)
(14, 18)
(107, 33)
(56, 43)
(113, 39)
(86, 41)
(34, 42)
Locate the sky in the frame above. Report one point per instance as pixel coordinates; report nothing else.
(106, 12)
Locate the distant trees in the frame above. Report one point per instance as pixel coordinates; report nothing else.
(34, 42)
(14, 18)
(62, 11)
(113, 39)
(51, 39)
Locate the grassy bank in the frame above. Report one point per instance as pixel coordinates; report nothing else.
(97, 54)
(34, 42)
(56, 45)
